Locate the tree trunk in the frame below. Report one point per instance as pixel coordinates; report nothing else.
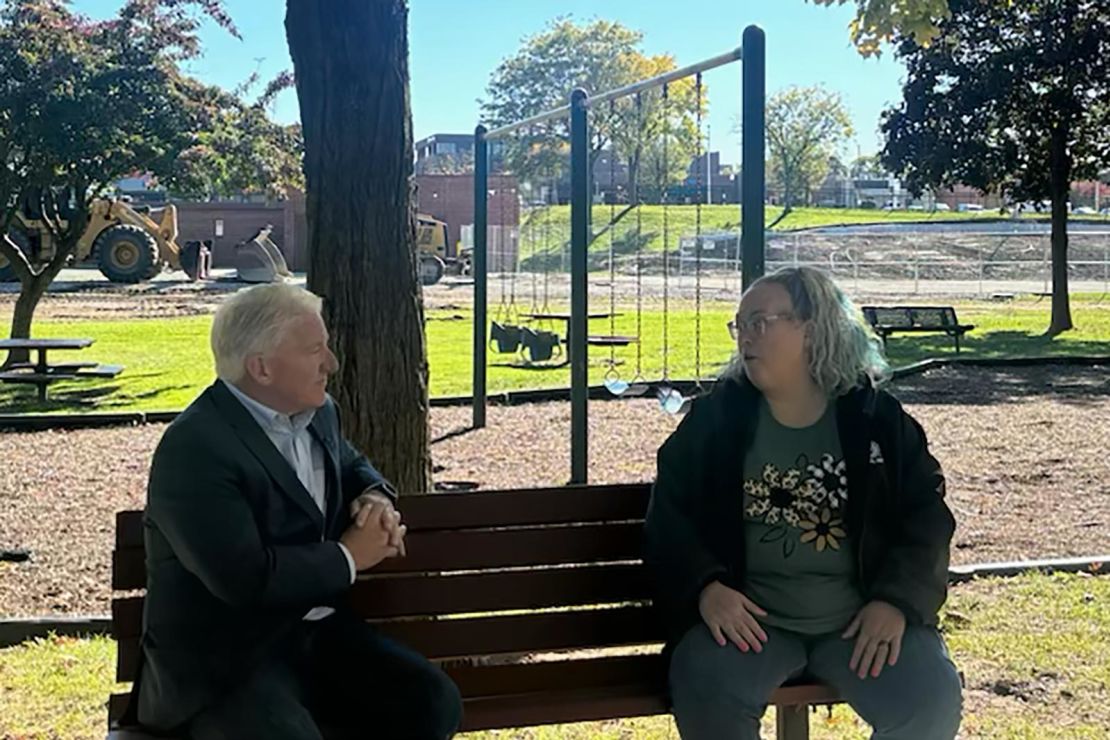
(634, 179)
(32, 287)
(787, 199)
(1060, 165)
(30, 294)
(350, 59)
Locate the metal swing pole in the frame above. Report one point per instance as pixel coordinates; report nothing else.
(753, 147)
(579, 304)
(481, 223)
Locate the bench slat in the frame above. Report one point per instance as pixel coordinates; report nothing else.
(387, 596)
(468, 550)
(523, 507)
(646, 670)
(55, 366)
(99, 371)
(591, 628)
(534, 702)
(32, 378)
(518, 710)
(556, 707)
(486, 509)
(477, 636)
(56, 375)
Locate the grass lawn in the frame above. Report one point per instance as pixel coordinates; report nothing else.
(168, 361)
(681, 219)
(1034, 650)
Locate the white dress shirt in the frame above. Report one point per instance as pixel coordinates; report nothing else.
(292, 438)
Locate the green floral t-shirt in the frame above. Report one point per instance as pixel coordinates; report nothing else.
(800, 565)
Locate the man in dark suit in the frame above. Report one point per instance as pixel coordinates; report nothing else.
(259, 514)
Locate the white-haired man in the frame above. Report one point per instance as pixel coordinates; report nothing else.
(259, 514)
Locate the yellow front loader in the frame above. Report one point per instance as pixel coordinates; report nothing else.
(129, 246)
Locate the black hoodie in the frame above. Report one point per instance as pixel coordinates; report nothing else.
(896, 516)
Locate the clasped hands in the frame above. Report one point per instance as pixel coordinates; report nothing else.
(376, 531)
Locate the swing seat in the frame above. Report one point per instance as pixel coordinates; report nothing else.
(541, 345)
(611, 341)
(506, 337)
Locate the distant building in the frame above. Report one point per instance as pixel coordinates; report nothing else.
(444, 153)
(724, 184)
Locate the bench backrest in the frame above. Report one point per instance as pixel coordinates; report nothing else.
(911, 317)
(491, 576)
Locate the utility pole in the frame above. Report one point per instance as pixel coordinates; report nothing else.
(708, 167)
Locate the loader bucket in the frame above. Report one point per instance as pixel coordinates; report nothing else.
(258, 260)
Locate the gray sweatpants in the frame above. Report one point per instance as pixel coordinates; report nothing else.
(720, 693)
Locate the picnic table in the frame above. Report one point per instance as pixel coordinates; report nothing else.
(41, 373)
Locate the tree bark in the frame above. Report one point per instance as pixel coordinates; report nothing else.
(1060, 173)
(23, 316)
(634, 178)
(32, 287)
(350, 60)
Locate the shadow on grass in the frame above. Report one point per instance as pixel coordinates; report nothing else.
(61, 399)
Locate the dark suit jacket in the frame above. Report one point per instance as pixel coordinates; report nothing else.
(236, 551)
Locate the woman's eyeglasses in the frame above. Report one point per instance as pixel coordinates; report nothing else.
(756, 325)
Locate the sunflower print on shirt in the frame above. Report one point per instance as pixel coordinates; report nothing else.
(807, 499)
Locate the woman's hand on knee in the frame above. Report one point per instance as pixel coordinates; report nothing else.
(731, 617)
(878, 631)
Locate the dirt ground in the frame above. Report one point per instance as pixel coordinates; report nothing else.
(1024, 450)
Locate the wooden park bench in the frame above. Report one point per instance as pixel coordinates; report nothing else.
(535, 602)
(887, 320)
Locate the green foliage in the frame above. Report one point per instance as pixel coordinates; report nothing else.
(84, 103)
(878, 21)
(1009, 97)
(984, 103)
(242, 150)
(805, 127)
(597, 57)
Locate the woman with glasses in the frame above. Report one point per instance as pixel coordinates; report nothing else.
(798, 528)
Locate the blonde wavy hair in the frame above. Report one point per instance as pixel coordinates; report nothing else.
(841, 347)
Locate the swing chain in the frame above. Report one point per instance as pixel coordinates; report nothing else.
(697, 235)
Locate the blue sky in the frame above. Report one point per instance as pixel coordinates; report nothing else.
(455, 45)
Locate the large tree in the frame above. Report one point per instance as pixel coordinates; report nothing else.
(350, 61)
(866, 165)
(84, 103)
(597, 56)
(805, 128)
(241, 150)
(639, 127)
(1012, 98)
(878, 21)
